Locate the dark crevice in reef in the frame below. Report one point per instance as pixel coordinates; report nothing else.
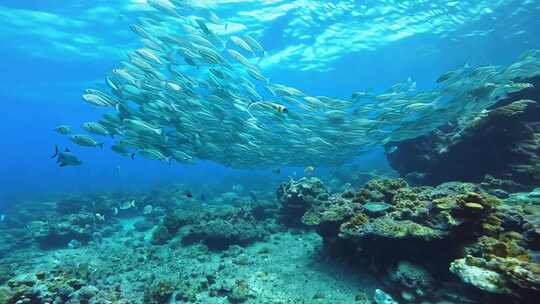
(503, 143)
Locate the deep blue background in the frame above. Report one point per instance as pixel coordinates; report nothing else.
(38, 94)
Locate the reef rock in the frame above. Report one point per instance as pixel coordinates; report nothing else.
(484, 279)
(503, 142)
(222, 227)
(296, 197)
(482, 239)
(61, 231)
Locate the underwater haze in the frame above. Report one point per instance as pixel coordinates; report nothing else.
(53, 52)
(184, 151)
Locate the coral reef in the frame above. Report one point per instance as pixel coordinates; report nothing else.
(485, 241)
(452, 243)
(503, 142)
(58, 232)
(219, 228)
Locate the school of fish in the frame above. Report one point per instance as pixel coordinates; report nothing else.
(191, 93)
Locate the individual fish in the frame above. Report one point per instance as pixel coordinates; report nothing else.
(237, 188)
(241, 59)
(95, 128)
(97, 100)
(276, 171)
(181, 156)
(100, 217)
(148, 209)
(65, 158)
(85, 140)
(142, 126)
(149, 55)
(63, 129)
(188, 194)
(164, 6)
(253, 43)
(256, 74)
(242, 44)
(154, 154)
(274, 106)
(127, 205)
(309, 169)
(122, 150)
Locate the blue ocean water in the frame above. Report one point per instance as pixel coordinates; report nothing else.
(52, 51)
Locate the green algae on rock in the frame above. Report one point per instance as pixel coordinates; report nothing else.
(460, 217)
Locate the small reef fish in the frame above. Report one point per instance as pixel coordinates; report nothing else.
(392, 149)
(127, 205)
(237, 188)
(85, 141)
(309, 169)
(276, 171)
(188, 194)
(63, 129)
(100, 217)
(148, 209)
(115, 211)
(2, 217)
(66, 158)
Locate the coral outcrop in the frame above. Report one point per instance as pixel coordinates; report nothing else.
(296, 197)
(478, 237)
(221, 227)
(60, 231)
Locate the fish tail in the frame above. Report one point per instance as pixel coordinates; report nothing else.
(132, 156)
(55, 152)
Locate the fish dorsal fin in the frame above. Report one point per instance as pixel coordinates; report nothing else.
(67, 150)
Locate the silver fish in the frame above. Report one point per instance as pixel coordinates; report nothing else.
(85, 140)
